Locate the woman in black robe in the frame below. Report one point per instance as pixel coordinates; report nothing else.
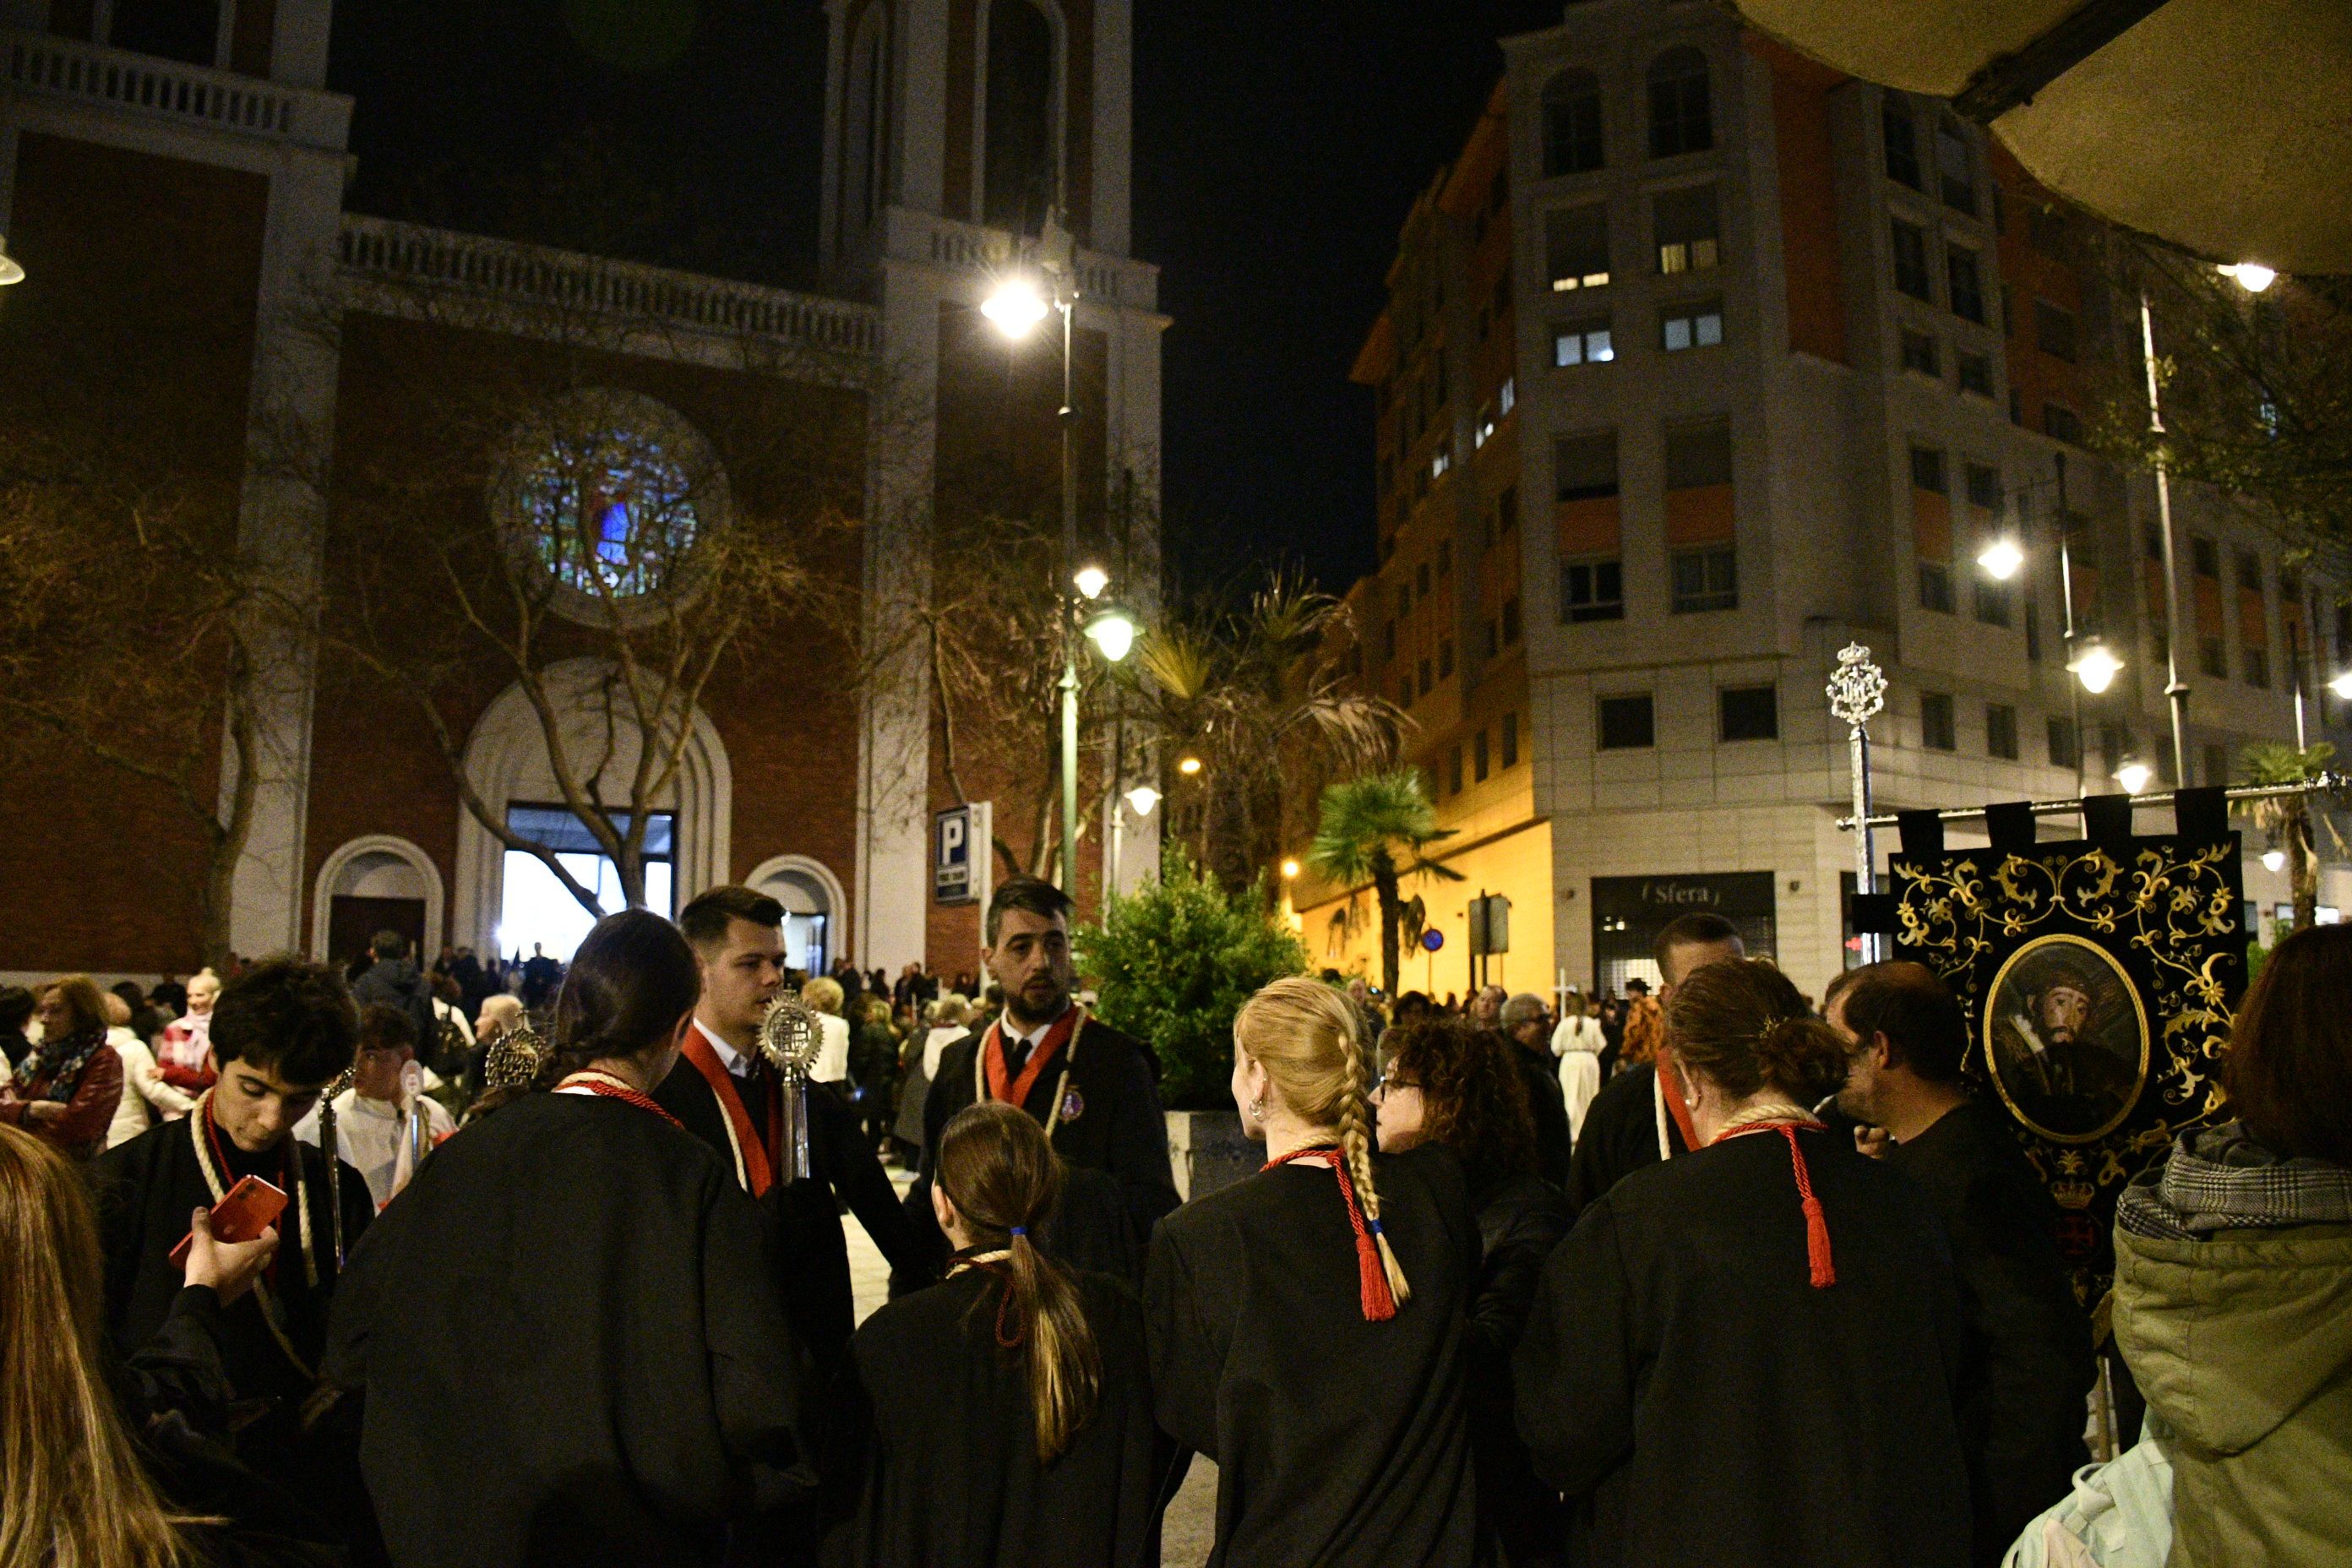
(567, 1328)
(1015, 1405)
(1305, 1324)
(1746, 1356)
(1457, 1087)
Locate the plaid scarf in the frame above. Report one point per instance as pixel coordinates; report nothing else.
(2220, 1179)
(56, 1064)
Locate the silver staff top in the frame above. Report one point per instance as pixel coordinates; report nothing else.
(789, 1040)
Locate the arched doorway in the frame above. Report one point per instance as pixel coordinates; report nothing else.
(374, 884)
(814, 908)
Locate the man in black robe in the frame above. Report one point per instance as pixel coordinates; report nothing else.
(280, 1032)
(1637, 1119)
(1095, 1090)
(1526, 1025)
(2028, 1344)
(724, 1094)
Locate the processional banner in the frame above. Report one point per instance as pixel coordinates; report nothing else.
(2099, 974)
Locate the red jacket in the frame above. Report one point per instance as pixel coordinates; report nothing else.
(89, 1113)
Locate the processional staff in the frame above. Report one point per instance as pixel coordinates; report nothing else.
(1857, 690)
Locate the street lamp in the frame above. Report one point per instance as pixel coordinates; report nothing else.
(1091, 580)
(2002, 559)
(1289, 870)
(1188, 765)
(11, 269)
(1112, 631)
(2251, 276)
(2134, 775)
(2095, 668)
(2342, 686)
(1141, 799)
(2274, 860)
(1015, 306)
(2176, 690)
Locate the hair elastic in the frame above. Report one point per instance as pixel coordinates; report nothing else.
(1021, 1230)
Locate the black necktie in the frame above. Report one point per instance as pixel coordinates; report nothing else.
(1016, 1056)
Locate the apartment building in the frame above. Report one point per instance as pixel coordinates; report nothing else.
(1701, 361)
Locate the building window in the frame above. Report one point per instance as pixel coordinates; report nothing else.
(1454, 771)
(2213, 657)
(1680, 120)
(2257, 662)
(1935, 722)
(2065, 752)
(1583, 342)
(1694, 324)
(1507, 399)
(611, 491)
(1592, 589)
(1444, 657)
(1021, 155)
(1954, 169)
(1993, 603)
(1902, 136)
(2204, 556)
(1935, 586)
(1627, 723)
(167, 30)
(1424, 677)
(1920, 356)
(1984, 487)
(1510, 620)
(1749, 712)
(1576, 246)
(1910, 243)
(1685, 222)
(1421, 579)
(1706, 578)
(1388, 640)
(1698, 454)
(1494, 643)
(1966, 282)
(2053, 330)
(1572, 123)
(2217, 763)
(1928, 474)
(1585, 466)
(1444, 557)
(2061, 423)
(2045, 231)
(2250, 572)
(1478, 756)
(1975, 372)
(2001, 732)
(1928, 471)
(1510, 740)
(2033, 629)
(1506, 510)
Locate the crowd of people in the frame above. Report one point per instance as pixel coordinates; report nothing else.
(1713, 1276)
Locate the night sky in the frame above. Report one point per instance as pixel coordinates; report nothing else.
(1277, 150)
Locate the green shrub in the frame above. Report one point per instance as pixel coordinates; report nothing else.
(1173, 963)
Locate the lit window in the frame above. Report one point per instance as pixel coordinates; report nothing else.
(1697, 325)
(1508, 397)
(1576, 243)
(1583, 342)
(611, 489)
(1684, 223)
(1439, 463)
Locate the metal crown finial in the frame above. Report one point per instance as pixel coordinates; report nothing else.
(1858, 689)
(789, 1040)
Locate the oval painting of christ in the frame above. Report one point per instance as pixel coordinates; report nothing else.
(2065, 1038)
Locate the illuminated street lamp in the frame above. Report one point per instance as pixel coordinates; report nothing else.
(2251, 276)
(1112, 631)
(2274, 860)
(1289, 870)
(11, 271)
(1091, 580)
(2342, 686)
(1015, 306)
(2000, 559)
(1141, 799)
(1188, 765)
(2095, 668)
(2134, 775)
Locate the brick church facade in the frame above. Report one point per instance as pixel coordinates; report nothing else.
(186, 163)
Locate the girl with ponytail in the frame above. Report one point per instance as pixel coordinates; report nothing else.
(1771, 1310)
(1307, 1323)
(1031, 1437)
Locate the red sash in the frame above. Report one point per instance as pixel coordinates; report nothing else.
(1822, 1270)
(758, 1171)
(1001, 1084)
(1670, 1085)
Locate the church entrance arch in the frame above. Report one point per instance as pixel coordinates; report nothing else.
(373, 884)
(814, 908)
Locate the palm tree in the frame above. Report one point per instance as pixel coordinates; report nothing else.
(2289, 819)
(1375, 828)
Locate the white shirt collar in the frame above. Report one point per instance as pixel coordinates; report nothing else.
(729, 1056)
(1008, 1033)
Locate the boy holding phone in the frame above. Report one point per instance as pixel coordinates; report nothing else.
(280, 1033)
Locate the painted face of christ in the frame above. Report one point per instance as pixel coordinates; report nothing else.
(2060, 1011)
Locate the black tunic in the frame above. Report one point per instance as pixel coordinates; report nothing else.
(2028, 1344)
(1115, 1149)
(1520, 1220)
(937, 1435)
(568, 1332)
(1336, 1440)
(1619, 1136)
(812, 1256)
(1681, 1371)
(1548, 1103)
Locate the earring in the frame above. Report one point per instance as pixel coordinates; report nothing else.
(1257, 1109)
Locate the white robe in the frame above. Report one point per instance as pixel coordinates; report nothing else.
(1577, 1042)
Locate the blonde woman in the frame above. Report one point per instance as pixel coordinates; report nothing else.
(183, 1050)
(74, 1491)
(1305, 1324)
(823, 997)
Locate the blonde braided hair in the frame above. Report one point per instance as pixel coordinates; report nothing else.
(1312, 1041)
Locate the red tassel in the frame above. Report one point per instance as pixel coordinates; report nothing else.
(1817, 1225)
(1379, 1301)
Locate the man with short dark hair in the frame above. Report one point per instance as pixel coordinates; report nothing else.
(383, 1127)
(392, 981)
(722, 1092)
(1094, 1089)
(1638, 1118)
(2028, 1344)
(281, 1031)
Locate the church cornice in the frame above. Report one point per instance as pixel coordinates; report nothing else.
(40, 65)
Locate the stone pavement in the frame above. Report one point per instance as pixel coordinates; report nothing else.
(1191, 1526)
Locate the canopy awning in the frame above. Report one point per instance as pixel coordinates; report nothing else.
(2222, 126)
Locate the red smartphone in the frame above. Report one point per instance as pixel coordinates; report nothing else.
(246, 1211)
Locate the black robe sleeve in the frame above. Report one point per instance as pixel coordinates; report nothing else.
(854, 1171)
(751, 1364)
(1138, 1145)
(1185, 1363)
(179, 1370)
(1575, 1364)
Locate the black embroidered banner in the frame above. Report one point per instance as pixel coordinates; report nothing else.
(2099, 977)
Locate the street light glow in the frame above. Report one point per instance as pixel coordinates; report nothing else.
(1188, 766)
(1113, 633)
(2134, 776)
(1141, 799)
(1091, 581)
(2342, 686)
(1289, 870)
(2002, 559)
(2274, 860)
(2251, 276)
(1016, 308)
(2096, 668)
(11, 272)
